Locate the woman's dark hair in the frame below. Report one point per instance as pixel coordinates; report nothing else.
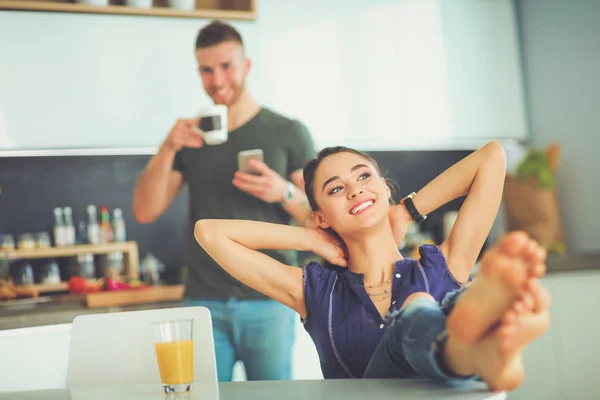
(312, 165)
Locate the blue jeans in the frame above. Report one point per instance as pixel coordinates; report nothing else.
(410, 347)
(260, 333)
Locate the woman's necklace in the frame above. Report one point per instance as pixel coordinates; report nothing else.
(386, 291)
(381, 295)
(384, 295)
(379, 285)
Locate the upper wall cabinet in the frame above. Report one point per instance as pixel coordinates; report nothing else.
(377, 74)
(483, 69)
(225, 9)
(435, 73)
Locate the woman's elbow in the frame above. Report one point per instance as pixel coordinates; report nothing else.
(202, 231)
(496, 154)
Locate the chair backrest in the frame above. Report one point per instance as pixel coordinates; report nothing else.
(34, 358)
(119, 347)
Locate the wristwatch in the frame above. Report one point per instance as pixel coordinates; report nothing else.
(288, 193)
(412, 210)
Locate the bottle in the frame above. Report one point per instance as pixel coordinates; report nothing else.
(151, 268)
(4, 267)
(106, 232)
(83, 266)
(115, 267)
(82, 233)
(120, 233)
(93, 229)
(59, 228)
(69, 227)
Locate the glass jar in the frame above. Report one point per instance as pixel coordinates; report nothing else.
(50, 273)
(83, 266)
(26, 241)
(23, 274)
(8, 242)
(43, 240)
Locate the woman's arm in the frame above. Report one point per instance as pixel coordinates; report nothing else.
(480, 176)
(234, 245)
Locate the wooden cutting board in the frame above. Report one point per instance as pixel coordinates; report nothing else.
(138, 296)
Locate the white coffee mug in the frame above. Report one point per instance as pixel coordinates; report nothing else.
(213, 124)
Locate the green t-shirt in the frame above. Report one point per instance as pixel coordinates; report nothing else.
(209, 171)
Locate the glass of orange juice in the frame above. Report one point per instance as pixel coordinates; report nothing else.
(175, 354)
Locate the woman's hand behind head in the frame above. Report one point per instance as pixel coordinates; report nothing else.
(328, 245)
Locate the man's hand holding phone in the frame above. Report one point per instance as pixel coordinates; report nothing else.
(257, 179)
(185, 133)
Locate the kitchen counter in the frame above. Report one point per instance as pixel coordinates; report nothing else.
(20, 316)
(37, 314)
(574, 262)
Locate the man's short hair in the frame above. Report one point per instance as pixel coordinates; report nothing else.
(216, 33)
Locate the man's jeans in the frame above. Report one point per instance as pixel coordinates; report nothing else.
(260, 333)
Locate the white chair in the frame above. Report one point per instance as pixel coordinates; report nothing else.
(34, 358)
(118, 348)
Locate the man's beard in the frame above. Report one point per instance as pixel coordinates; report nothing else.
(237, 93)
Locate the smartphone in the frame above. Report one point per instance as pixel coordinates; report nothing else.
(245, 156)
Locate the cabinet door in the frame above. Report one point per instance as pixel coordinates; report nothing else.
(382, 74)
(483, 69)
(576, 305)
(564, 363)
(541, 357)
(448, 74)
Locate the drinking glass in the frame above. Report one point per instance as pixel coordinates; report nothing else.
(174, 348)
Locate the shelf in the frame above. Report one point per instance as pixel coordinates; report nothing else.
(113, 298)
(126, 10)
(129, 248)
(103, 299)
(52, 287)
(56, 287)
(69, 251)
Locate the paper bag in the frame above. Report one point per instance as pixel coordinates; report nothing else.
(534, 210)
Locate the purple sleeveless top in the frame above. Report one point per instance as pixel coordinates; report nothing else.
(343, 321)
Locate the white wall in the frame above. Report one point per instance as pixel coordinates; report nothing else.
(561, 55)
(377, 74)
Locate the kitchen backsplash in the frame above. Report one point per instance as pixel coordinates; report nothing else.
(31, 187)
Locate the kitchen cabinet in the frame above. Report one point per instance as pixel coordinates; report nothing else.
(564, 363)
(217, 9)
(377, 74)
(447, 73)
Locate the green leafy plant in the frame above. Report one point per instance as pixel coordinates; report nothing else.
(536, 165)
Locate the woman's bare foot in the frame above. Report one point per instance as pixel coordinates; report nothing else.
(501, 280)
(497, 357)
(528, 318)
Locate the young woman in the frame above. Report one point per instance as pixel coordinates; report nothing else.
(373, 313)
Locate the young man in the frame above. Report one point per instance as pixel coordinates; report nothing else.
(247, 325)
